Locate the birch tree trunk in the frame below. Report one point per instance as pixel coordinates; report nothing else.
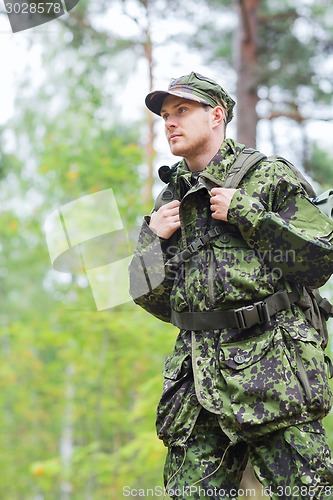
(150, 151)
(66, 438)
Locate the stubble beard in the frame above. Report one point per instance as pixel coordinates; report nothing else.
(190, 150)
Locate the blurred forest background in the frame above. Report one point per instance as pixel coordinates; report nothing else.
(79, 387)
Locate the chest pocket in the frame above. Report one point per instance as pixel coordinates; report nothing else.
(230, 240)
(244, 354)
(240, 269)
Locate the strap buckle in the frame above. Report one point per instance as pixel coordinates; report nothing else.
(195, 245)
(326, 307)
(202, 240)
(328, 361)
(254, 314)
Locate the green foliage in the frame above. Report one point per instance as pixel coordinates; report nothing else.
(89, 376)
(321, 163)
(8, 161)
(79, 388)
(71, 418)
(92, 160)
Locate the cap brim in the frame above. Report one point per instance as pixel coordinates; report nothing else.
(155, 99)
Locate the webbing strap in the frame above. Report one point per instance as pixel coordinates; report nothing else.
(244, 162)
(240, 318)
(325, 203)
(177, 260)
(325, 305)
(242, 165)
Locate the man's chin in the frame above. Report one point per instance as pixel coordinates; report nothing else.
(176, 150)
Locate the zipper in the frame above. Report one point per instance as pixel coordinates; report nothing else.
(302, 376)
(184, 245)
(191, 190)
(210, 276)
(211, 271)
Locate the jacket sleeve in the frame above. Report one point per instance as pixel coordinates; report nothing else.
(149, 286)
(287, 230)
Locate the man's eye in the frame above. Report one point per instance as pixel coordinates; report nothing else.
(181, 110)
(165, 117)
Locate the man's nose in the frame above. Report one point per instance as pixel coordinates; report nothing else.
(170, 122)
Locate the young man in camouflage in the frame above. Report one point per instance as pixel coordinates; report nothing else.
(248, 377)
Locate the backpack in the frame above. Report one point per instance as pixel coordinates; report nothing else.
(316, 308)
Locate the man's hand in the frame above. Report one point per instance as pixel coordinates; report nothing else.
(220, 202)
(166, 221)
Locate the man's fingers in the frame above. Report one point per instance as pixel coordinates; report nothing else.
(214, 191)
(172, 204)
(170, 209)
(173, 211)
(166, 220)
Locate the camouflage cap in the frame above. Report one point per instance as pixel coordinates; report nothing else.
(196, 88)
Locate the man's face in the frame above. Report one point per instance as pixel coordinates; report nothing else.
(188, 126)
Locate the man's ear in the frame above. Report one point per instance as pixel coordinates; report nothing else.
(218, 116)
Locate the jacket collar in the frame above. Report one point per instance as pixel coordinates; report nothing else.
(217, 168)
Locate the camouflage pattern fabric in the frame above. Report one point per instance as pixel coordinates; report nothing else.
(273, 375)
(196, 88)
(252, 380)
(274, 234)
(290, 463)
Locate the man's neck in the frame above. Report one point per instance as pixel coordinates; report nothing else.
(198, 164)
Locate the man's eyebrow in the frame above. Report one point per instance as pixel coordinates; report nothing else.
(174, 106)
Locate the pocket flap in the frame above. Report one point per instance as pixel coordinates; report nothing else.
(230, 240)
(175, 366)
(245, 354)
(304, 334)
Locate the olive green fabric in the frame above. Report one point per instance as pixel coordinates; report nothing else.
(290, 463)
(274, 234)
(272, 375)
(196, 88)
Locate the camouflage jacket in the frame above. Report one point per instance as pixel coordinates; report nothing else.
(273, 374)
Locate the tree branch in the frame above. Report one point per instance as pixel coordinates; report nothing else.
(280, 16)
(293, 115)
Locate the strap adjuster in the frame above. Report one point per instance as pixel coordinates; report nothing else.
(326, 307)
(195, 245)
(214, 231)
(253, 314)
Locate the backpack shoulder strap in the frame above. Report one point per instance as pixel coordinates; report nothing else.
(168, 193)
(317, 309)
(250, 157)
(242, 165)
(325, 203)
